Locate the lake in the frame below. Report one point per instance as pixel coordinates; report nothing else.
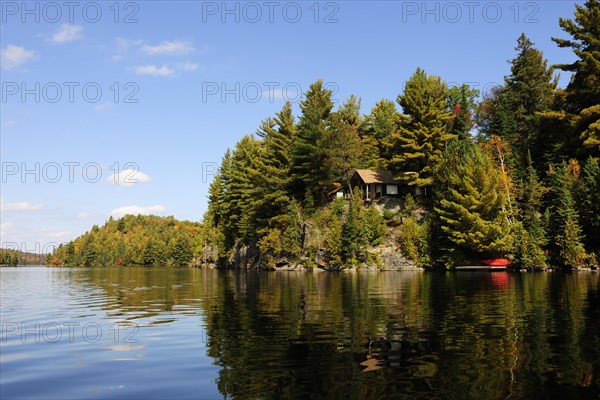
(149, 333)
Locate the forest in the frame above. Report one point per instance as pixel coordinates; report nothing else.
(13, 258)
(131, 241)
(513, 173)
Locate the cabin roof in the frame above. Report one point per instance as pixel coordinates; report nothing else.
(337, 188)
(380, 176)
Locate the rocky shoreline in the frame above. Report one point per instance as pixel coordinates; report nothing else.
(248, 257)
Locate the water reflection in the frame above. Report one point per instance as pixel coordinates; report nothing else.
(315, 335)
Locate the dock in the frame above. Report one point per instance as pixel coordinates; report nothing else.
(481, 268)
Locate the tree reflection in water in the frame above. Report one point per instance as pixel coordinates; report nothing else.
(377, 335)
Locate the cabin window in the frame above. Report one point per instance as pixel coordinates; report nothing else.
(392, 189)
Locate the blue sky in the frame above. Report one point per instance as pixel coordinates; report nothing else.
(157, 91)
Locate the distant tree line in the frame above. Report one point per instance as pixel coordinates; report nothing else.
(13, 258)
(132, 241)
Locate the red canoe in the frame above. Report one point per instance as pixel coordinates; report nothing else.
(498, 262)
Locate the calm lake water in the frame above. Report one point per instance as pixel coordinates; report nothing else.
(147, 333)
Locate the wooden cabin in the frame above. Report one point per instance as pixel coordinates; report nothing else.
(377, 183)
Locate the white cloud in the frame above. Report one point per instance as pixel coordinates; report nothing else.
(53, 234)
(288, 94)
(5, 227)
(123, 45)
(8, 123)
(137, 210)
(67, 33)
(21, 206)
(104, 106)
(12, 57)
(128, 177)
(84, 215)
(154, 70)
(187, 66)
(59, 234)
(175, 47)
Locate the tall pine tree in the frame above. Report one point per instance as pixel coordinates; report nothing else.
(513, 111)
(377, 134)
(582, 96)
(422, 133)
(469, 201)
(310, 175)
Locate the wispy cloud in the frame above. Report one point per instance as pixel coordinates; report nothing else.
(123, 45)
(137, 210)
(84, 215)
(167, 47)
(20, 206)
(104, 106)
(187, 66)
(128, 177)
(67, 33)
(13, 57)
(8, 123)
(5, 227)
(154, 70)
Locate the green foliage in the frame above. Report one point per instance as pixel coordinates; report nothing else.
(12, 258)
(377, 134)
(410, 205)
(590, 202)
(528, 252)
(564, 227)
(270, 246)
(461, 103)
(307, 159)
(373, 226)
(414, 241)
(582, 96)
(571, 252)
(422, 133)
(276, 243)
(333, 239)
(468, 201)
(341, 145)
(513, 110)
(132, 241)
(488, 199)
(9, 258)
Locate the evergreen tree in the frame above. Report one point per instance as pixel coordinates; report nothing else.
(270, 194)
(181, 251)
(582, 96)
(564, 226)
(240, 178)
(513, 111)
(422, 133)
(351, 235)
(377, 134)
(571, 252)
(461, 103)
(532, 193)
(469, 201)
(154, 252)
(307, 159)
(590, 203)
(529, 254)
(341, 146)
